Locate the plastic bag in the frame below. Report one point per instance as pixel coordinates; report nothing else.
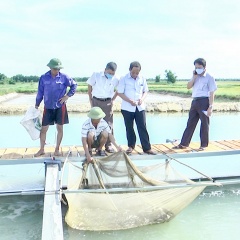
(32, 122)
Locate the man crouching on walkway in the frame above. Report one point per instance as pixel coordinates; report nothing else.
(95, 133)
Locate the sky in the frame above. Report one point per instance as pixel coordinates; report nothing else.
(87, 34)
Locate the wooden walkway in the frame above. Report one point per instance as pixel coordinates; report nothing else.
(76, 151)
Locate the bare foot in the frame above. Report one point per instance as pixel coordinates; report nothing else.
(57, 153)
(39, 153)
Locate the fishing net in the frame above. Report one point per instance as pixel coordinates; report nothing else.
(134, 205)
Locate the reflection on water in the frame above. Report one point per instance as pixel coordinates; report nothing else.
(213, 215)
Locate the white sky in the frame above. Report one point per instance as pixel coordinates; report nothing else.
(87, 34)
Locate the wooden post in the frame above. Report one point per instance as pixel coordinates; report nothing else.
(52, 227)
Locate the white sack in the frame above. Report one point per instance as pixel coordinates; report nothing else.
(32, 122)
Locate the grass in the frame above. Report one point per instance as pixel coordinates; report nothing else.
(227, 90)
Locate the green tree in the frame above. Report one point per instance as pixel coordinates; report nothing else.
(157, 78)
(171, 78)
(2, 76)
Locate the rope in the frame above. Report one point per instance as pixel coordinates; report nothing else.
(186, 165)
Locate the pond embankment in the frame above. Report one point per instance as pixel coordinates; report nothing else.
(19, 103)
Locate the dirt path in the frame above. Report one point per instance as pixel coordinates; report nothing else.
(19, 103)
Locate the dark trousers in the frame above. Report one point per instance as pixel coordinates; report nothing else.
(106, 106)
(140, 119)
(195, 114)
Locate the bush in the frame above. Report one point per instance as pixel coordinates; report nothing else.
(11, 82)
(171, 78)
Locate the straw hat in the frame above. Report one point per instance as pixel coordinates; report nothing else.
(55, 63)
(96, 113)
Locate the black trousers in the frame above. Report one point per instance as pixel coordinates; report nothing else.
(140, 119)
(195, 114)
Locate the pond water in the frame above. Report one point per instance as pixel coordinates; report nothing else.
(214, 215)
(162, 126)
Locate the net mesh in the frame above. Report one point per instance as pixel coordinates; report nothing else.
(115, 211)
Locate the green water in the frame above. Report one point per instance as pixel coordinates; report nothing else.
(160, 127)
(214, 215)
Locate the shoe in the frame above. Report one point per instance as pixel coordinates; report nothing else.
(179, 147)
(109, 150)
(201, 148)
(129, 150)
(100, 153)
(150, 152)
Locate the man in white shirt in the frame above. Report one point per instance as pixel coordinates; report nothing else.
(101, 91)
(204, 87)
(95, 133)
(133, 90)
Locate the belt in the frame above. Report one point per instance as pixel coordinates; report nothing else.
(102, 99)
(198, 98)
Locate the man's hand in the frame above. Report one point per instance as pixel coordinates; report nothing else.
(89, 158)
(140, 101)
(209, 111)
(63, 99)
(133, 103)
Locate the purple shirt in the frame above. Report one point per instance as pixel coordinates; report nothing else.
(52, 89)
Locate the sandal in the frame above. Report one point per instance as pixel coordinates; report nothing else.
(129, 150)
(179, 147)
(100, 153)
(109, 150)
(201, 148)
(150, 152)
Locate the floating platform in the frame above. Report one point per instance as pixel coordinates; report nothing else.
(161, 149)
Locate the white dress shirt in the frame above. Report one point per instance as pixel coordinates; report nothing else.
(134, 90)
(203, 85)
(88, 127)
(102, 87)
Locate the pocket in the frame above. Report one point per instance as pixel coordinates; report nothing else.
(203, 85)
(60, 86)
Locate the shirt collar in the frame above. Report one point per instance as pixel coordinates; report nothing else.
(103, 75)
(49, 73)
(129, 76)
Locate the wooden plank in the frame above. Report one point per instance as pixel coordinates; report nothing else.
(30, 152)
(49, 151)
(2, 151)
(223, 147)
(52, 227)
(165, 150)
(13, 153)
(80, 150)
(77, 151)
(212, 147)
(235, 143)
(225, 143)
(138, 149)
(66, 149)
